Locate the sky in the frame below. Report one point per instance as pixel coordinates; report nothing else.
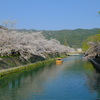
(51, 14)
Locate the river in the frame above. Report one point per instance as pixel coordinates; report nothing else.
(74, 79)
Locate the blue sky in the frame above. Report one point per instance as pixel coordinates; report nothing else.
(51, 14)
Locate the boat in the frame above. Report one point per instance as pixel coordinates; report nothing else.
(59, 60)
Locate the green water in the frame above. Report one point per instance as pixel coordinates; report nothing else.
(72, 80)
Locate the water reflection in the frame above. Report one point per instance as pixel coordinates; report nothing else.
(93, 81)
(44, 82)
(21, 86)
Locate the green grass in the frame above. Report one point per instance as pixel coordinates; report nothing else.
(27, 67)
(12, 64)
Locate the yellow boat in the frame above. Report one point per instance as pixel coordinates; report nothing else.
(59, 60)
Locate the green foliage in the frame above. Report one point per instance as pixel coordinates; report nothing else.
(94, 38)
(85, 46)
(99, 12)
(65, 43)
(74, 37)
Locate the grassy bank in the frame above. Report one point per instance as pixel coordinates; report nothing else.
(14, 64)
(4, 72)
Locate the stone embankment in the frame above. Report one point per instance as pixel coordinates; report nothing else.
(93, 55)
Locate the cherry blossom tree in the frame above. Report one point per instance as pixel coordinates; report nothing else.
(28, 44)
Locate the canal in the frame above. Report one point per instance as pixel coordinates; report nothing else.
(74, 79)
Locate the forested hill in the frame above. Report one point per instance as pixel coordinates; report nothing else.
(73, 38)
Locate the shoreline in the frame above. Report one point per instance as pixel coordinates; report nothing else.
(38, 64)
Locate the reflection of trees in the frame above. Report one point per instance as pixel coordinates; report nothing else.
(88, 66)
(22, 85)
(93, 81)
(30, 83)
(93, 78)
